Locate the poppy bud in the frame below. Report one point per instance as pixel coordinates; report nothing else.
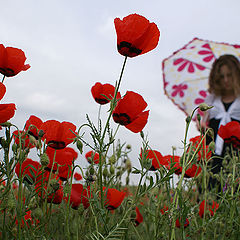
(32, 140)
(91, 171)
(133, 215)
(37, 213)
(54, 185)
(129, 146)
(112, 169)
(11, 203)
(204, 107)
(14, 147)
(105, 172)
(3, 142)
(44, 160)
(210, 133)
(147, 163)
(112, 159)
(188, 119)
(80, 146)
(142, 134)
(6, 124)
(67, 189)
(211, 146)
(41, 133)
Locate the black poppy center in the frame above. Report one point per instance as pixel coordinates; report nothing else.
(121, 118)
(56, 144)
(33, 134)
(127, 49)
(101, 100)
(8, 72)
(234, 141)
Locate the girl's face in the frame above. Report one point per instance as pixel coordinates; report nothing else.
(226, 78)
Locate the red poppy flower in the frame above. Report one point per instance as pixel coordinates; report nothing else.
(135, 35)
(92, 156)
(58, 135)
(2, 90)
(164, 210)
(139, 217)
(77, 176)
(79, 195)
(32, 125)
(212, 208)
(114, 198)
(156, 157)
(231, 133)
(129, 112)
(55, 188)
(203, 152)
(192, 171)
(28, 219)
(12, 61)
(63, 159)
(7, 111)
(173, 162)
(28, 167)
(25, 141)
(186, 224)
(103, 93)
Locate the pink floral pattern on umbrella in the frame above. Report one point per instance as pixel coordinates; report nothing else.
(186, 63)
(203, 95)
(179, 90)
(208, 52)
(186, 71)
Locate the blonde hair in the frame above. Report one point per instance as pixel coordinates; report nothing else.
(214, 80)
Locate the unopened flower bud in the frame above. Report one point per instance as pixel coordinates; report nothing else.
(204, 107)
(128, 146)
(41, 133)
(211, 146)
(210, 133)
(112, 169)
(142, 134)
(147, 163)
(105, 172)
(80, 146)
(32, 140)
(188, 119)
(112, 159)
(37, 213)
(14, 147)
(6, 124)
(11, 203)
(91, 171)
(54, 184)
(44, 160)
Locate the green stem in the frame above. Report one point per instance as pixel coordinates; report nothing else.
(100, 175)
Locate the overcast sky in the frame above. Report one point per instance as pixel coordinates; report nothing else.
(71, 45)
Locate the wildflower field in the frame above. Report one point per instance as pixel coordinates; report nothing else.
(49, 196)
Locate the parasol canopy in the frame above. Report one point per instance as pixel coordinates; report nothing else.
(186, 71)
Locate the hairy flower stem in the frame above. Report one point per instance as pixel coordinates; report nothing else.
(3, 78)
(179, 185)
(113, 104)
